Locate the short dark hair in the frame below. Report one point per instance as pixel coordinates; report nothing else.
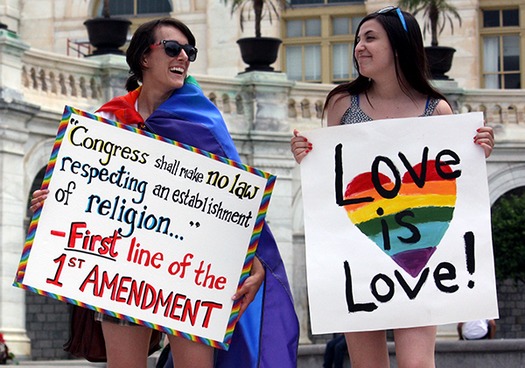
(407, 46)
(140, 44)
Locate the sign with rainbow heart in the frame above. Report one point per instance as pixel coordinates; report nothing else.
(397, 224)
(145, 229)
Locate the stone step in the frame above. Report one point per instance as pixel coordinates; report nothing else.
(509, 353)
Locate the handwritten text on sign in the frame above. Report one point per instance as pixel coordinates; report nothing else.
(397, 223)
(145, 230)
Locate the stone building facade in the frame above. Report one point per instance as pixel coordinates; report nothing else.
(39, 74)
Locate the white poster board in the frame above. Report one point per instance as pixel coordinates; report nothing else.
(397, 225)
(145, 229)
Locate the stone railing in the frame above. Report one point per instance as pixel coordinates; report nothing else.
(305, 105)
(51, 80)
(504, 110)
(499, 106)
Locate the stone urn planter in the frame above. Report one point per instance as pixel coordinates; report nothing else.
(107, 35)
(439, 60)
(259, 52)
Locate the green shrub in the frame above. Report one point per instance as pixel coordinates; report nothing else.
(508, 236)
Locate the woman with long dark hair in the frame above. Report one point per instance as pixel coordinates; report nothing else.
(393, 82)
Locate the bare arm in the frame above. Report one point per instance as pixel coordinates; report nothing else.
(460, 333)
(251, 285)
(492, 329)
(337, 106)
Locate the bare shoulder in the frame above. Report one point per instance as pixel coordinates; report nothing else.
(336, 107)
(443, 108)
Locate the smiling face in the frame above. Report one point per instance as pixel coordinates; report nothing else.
(373, 51)
(162, 71)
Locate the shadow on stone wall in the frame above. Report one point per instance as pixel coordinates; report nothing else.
(511, 302)
(47, 324)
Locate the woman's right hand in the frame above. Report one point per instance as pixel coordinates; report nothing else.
(299, 146)
(37, 200)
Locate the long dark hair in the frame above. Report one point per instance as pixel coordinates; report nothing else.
(410, 59)
(140, 44)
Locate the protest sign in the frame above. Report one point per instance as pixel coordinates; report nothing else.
(145, 229)
(397, 224)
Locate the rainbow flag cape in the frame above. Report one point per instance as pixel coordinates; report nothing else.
(267, 334)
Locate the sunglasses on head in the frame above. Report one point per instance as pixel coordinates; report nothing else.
(392, 9)
(173, 48)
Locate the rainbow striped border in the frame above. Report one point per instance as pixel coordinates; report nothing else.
(250, 254)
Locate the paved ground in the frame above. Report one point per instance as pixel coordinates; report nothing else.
(59, 363)
(72, 363)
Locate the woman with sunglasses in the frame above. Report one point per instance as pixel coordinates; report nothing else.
(163, 99)
(393, 82)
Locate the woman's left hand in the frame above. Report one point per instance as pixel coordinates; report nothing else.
(248, 290)
(485, 138)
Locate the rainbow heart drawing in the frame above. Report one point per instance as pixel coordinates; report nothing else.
(409, 226)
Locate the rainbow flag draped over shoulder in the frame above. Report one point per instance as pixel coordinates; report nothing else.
(267, 334)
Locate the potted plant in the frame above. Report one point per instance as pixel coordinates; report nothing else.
(437, 13)
(258, 52)
(107, 34)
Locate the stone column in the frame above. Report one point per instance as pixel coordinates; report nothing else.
(114, 75)
(11, 50)
(265, 96)
(13, 119)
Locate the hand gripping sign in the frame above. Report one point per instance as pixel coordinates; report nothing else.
(397, 225)
(145, 229)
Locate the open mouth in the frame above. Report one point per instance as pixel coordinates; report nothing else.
(177, 70)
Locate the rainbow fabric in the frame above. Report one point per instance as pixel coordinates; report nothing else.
(429, 209)
(267, 334)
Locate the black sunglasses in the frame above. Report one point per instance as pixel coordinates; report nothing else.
(173, 48)
(391, 9)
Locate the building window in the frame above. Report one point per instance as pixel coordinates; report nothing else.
(321, 2)
(318, 43)
(341, 68)
(139, 7)
(304, 63)
(501, 48)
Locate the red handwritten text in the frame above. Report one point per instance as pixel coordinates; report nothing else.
(125, 289)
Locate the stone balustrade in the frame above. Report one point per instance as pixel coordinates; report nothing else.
(499, 106)
(51, 80)
(504, 110)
